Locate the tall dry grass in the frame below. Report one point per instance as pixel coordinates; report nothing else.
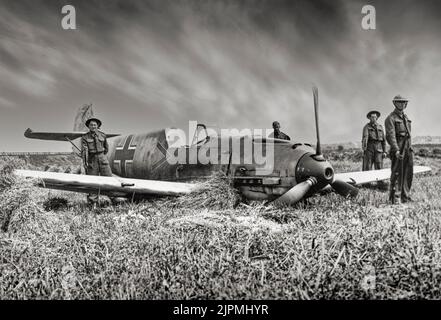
(332, 248)
(18, 198)
(215, 193)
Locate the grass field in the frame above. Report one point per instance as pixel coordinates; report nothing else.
(160, 249)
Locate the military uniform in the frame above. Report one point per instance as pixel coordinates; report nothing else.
(279, 135)
(94, 148)
(374, 146)
(398, 129)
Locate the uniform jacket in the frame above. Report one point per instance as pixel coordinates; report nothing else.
(398, 128)
(281, 135)
(373, 138)
(92, 143)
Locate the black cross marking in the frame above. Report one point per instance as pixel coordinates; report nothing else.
(124, 154)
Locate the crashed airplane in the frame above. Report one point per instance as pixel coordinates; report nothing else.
(140, 166)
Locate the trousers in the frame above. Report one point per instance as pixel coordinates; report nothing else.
(372, 158)
(97, 165)
(401, 176)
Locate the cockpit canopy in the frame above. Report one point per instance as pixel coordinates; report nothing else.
(200, 134)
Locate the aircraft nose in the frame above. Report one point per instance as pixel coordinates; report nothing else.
(311, 165)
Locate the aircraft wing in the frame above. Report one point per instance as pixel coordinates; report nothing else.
(114, 186)
(362, 177)
(59, 136)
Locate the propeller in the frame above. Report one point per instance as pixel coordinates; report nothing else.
(296, 193)
(319, 170)
(318, 150)
(344, 189)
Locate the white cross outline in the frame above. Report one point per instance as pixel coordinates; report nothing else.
(163, 160)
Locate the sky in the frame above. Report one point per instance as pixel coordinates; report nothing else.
(146, 65)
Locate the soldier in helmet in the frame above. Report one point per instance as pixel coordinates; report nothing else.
(373, 143)
(398, 135)
(277, 134)
(94, 148)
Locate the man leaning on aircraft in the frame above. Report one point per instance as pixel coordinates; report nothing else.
(94, 148)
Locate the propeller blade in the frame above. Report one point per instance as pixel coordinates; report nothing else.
(344, 189)
(296, 193)
(318, 150)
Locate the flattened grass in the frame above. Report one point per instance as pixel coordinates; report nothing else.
(332, 249)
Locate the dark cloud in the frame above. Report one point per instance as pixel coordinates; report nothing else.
(151, 64)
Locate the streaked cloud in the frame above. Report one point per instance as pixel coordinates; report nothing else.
(151, 64)
(5, 103)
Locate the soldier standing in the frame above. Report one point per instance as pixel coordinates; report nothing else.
(94, 149)
(398, 129)
(277, 134)
(373, 143)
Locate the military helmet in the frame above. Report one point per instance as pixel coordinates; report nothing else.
(400, 98)
(373, 111)
(98, 122)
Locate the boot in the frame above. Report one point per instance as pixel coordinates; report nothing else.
(394, 198)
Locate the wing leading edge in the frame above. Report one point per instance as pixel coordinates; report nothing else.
(59, 136)
(114, 186)
(363, 177)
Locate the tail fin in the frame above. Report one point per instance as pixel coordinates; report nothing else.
(84, 112)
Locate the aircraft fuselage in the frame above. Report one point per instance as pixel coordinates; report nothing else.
(147, 156)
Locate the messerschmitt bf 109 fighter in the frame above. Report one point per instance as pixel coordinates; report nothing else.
(141, 165)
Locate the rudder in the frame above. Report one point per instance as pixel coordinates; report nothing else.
(84, 112)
